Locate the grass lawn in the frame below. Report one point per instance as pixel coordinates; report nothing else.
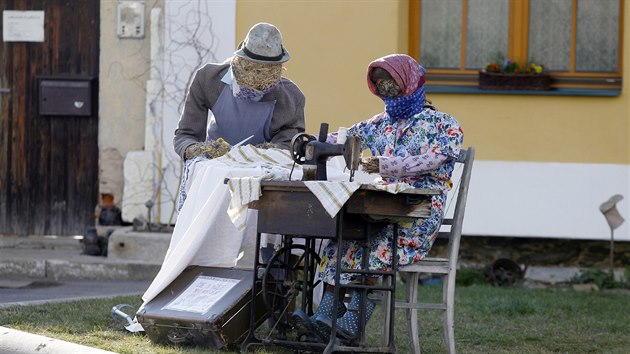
(487, 320)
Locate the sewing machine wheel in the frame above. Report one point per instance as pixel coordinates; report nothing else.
(283, 281)
(298, 147)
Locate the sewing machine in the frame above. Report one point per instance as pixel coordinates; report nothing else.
(285, 280)
(312, 153)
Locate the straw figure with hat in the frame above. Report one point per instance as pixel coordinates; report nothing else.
(249, 100)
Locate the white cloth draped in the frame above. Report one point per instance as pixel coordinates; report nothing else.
(332, 195)
(215, 228)
(205, 233)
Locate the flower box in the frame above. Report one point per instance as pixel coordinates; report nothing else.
(513, 81)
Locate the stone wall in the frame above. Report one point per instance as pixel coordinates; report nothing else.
(478, 252)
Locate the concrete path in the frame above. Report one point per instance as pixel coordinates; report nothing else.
(34, 292)
(12, 341)
(43, 270)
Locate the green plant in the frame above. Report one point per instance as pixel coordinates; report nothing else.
(506, 66)
(601, 278)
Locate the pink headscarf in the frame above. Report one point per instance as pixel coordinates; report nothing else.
(405, 70)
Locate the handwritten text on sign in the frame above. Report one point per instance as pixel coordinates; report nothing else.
(23, 26)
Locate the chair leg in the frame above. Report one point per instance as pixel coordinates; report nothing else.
(449, 314)
(385, 307)
(412, 313)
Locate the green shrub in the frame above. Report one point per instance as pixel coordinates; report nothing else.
(601, 278)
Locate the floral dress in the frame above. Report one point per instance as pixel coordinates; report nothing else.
(408, 146)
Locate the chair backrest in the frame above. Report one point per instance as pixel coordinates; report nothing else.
(466, 157)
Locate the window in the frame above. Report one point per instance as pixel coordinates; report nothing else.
(578, 41)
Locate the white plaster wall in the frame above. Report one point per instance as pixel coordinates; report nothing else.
(123, 73)
(134, 120)
(559, 200)
(212, 25)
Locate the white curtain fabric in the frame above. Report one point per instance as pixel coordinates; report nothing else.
(597, 38)
(550, 34)
(441, 33)
(486, 31)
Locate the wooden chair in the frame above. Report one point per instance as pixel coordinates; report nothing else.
(444, 266)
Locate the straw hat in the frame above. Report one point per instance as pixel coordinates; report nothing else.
(263, 44)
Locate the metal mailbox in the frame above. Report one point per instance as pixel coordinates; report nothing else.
(66, 96)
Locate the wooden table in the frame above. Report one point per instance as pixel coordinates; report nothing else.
(289, 207)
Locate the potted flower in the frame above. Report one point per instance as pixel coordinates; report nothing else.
(505, 74)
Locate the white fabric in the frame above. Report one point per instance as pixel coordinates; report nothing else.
(205, 234)
(332, 195)
(276, 165)
(242, 190)
(214, 227)
(392, 187)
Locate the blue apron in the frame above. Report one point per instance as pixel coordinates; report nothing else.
(235, 120)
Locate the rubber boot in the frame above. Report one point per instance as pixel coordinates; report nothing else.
(325, 310)
(348, 324)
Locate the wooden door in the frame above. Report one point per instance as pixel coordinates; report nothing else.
(48, 163)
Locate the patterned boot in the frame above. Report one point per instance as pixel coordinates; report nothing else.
(325, 310)
(348, 325)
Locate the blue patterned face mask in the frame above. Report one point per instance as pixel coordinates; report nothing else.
(244, 93)
(405, 106)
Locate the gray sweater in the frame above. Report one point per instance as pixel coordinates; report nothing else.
(287, 119)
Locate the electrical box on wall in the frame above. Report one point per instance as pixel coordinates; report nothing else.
(67, 96)
(130, 19)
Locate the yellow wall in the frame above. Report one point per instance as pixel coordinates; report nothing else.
(542, 128)
(332, 42)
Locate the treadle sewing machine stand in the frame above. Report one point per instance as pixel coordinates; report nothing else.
(290, 209)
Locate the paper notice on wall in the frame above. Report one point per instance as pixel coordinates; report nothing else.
(202, 294)
(23, 26)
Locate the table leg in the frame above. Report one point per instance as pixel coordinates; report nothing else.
(251, 337)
